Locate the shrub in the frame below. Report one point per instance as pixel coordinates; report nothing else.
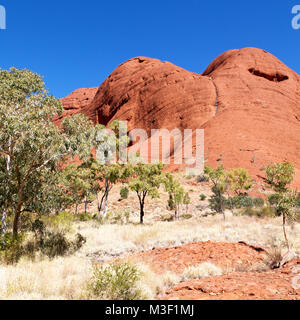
(124, 193)
(63, 220)
(51, 243)
(202, 178)
(118, 217)
(115, 282)
(202, 197)
(167, 217)
(203, 270)
(264, 212)
(171, 204)
(239, 202)
(187, 216)
(11, 249)
(86, 217)
(258, 202)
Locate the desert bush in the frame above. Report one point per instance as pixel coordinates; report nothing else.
(61, 221)
(258, 202)
(187, 216)
(115, 282)
(86, 217)
(11, 248)
(202, 178)
(167, 217)
(264, 212)
(203, 270)
(51, 243)
(238, 202)
(202, 197)
(124, 193)
(274, 257)
(117, 217)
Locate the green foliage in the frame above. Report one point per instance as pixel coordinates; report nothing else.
(177, 196)
(32, 146)
(124, 193)
(52, 243)
(171, 204)
(187, 216)
(258, 202)
(118, 217)
(264, 212)
(147, 180)
(217, 201)
(85, 216)
(279, 176)
(186, 199)
(239, 181)
(167, 217)
(237, 202)
(217, 176)
(78, 183)
(202, 178)
(202, 197)
(11, 248)
(116, 282)
(61, 221)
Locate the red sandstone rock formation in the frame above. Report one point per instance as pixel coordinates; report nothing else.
(247, 101)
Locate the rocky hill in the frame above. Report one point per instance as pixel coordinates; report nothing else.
(247, 101)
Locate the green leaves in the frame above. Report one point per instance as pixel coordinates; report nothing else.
(31, 146)
(239, 180)
(279, 176)
(147, 180)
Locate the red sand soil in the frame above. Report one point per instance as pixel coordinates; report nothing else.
(225, 255)
(271, 285)
(263, 284)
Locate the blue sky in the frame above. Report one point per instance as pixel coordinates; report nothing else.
(78, 43)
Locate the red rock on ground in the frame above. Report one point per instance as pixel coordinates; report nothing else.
(246, 100)
(225, 255)
(270, 285)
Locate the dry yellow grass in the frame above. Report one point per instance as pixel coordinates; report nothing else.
(66, 278)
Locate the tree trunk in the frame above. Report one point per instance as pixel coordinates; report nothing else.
(76, 208)
(221, 206)
(86, 204)
(284, 230)
(105, 205)
(18, 213)
(98, 202)
(142, 213)
(16, 224)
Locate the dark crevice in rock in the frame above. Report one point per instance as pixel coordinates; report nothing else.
(271, 77)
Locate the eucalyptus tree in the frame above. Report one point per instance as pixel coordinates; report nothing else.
(32, 147)
(111, 165)
(278, 177)
(146, 181)
(220, 186)
(175, 191)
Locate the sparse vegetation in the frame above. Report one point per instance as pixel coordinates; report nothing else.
(50, 211)
(147, 180)
(203, 270)
(116, 282)
(202, 197)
